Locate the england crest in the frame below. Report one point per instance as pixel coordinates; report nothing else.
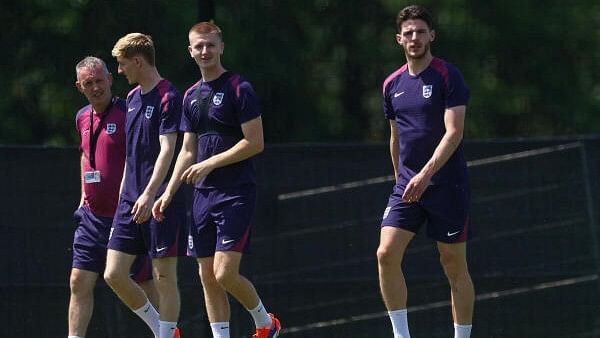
(148, 112)
(218, 99)
(427, 91)
(111, 128)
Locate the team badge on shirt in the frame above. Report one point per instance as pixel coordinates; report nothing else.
(111, 128)
(427, 90)
(149, 111)
(218, 98)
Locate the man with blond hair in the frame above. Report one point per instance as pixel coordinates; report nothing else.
(153, 117)
(101, 127)
(223, 130)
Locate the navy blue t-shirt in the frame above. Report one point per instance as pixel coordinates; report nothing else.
(417, 104)
(233, 103)
(149, 115)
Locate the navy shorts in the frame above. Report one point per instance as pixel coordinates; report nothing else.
(157, 239)
(221, 220)
(445, 209)
(89, 245)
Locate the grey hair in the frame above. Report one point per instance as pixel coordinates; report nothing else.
(90, 62)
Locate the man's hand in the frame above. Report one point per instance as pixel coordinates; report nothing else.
(142, 209)
(195, 172)
(160, 206)
(415, 188)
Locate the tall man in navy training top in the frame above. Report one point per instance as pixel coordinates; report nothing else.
(101, 127)
(153, 117)
(425, 101)
(223, 130)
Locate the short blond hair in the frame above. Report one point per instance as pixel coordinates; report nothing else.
(134, 44)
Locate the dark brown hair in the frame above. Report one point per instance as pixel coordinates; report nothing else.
(413, 12)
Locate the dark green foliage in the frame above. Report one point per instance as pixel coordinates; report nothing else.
(317, 65)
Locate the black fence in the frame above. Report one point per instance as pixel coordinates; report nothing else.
(534, 256)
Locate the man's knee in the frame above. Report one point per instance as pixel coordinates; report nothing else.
(454, 264)
(225, 275)
(113, 278)
(80, 285)
(162, 278)
(389, 256)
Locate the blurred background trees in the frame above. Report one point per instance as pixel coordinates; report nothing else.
(533, 67)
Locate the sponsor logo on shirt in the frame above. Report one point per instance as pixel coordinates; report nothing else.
(218, 98)
(111, 128)
(427, 91)
(148, 112)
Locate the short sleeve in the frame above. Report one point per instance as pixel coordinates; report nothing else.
(388, 109)
(247, 102)
(457, 91)
(189, 120)
(170, 115)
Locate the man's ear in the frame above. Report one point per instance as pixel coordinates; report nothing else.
(399, 39)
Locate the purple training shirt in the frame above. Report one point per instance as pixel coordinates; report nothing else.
(417, 104)
(149, 115)
(233, 103)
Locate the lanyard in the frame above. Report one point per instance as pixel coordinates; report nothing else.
(94, 134)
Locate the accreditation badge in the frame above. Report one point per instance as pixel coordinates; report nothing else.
(91, 176)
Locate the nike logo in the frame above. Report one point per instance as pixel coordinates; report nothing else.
(148, 308)
(228, 241)
(130, 110)
(193, 101)
(398, 94)
(162, 249)
(452, 233)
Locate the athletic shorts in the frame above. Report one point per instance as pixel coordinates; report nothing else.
(221, 220)
(445, 209)
(157, 239)
(89, 246)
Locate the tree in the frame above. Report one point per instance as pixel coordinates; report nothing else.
(317, 65)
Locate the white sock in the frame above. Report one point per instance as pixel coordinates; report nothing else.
(220, 329)
(462, 331)
(150, 316)
(261, 316)
(166, 329)
(74, 337)
(399, 323)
